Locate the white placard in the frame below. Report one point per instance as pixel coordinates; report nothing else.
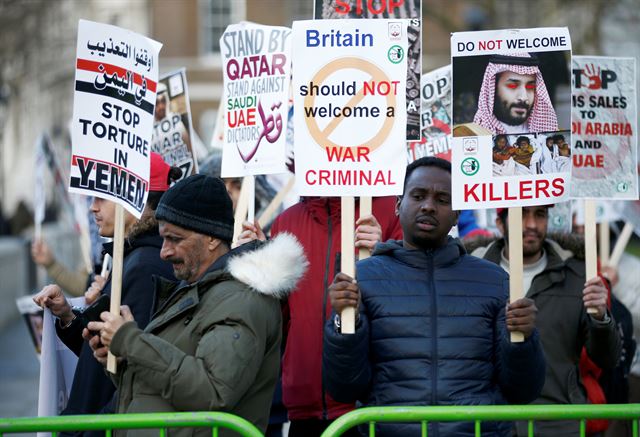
(350, 117)
(257, 71)
(506, 120)
(114, 99)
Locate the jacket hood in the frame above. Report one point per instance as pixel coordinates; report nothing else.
(442, 256)
(149, 239)
(273, 268)
(565, 245)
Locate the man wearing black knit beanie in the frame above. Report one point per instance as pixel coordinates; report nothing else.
(214, 340)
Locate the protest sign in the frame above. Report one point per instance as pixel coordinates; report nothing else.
(511, 100)
(403, 9)
(113, 112)
(350, 116)
(57, 368)
(435, 98)
(604, 123)
(256, 72)
(172, 127)
(507, 107)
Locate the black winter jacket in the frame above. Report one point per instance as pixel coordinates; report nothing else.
(431, 331)
(92, 389)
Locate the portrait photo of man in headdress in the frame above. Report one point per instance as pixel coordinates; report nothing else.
(513, 97)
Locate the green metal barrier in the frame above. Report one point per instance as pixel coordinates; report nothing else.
(478, 413)
(109, 422)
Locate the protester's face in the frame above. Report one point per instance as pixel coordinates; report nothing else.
(550, 143)
(515, 96)
(501, 142)
(104, 213)
(523, 143)
(425, 208)
(161, 107)
(186, 250)
(534, 229)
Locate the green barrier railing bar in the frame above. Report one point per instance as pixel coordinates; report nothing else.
(109, 422)
(478, 413)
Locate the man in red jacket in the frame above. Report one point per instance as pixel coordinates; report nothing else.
(315, 222)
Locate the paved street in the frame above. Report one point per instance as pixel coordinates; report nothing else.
(19, 371)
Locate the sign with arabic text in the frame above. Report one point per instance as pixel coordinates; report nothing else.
(349, 99)
(113, 111)
(257, 70)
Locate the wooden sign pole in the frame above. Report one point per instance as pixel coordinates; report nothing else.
(365, 209)
(242, 207)
(251, 198)
(516, 281)
(590, 242)
(275, 203)
(621, 244)
(605, 244)
(348, 262)
(116, 278)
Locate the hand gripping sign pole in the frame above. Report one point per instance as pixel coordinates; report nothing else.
(516, 282)
(347, 260)
(116, 278)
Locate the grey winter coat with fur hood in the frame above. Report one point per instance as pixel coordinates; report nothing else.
(213, 345)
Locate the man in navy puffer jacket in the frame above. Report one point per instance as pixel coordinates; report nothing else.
(433, 322)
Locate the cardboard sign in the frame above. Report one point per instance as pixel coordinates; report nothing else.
(604, 123)
(257, 70)
(511, 101)
(350, 116)
(337, 9)
(435, 116)
(113, 107)
(172, 127)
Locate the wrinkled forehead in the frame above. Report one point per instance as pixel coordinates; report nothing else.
(166, 228)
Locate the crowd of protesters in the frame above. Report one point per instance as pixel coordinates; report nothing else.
(209, 324)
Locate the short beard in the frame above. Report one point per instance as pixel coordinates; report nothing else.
(502, 113)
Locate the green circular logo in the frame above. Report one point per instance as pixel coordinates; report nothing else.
(622, 187)
(395, 54)
(470, 166)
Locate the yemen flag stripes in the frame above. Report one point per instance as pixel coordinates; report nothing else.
(88, 87)
(109, 69)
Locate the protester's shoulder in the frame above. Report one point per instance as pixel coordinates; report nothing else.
(481, 270)
(288, 218)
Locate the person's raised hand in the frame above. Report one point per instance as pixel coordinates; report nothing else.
(51, 297)
(368, 232)
(521, 316)
(344, 292)
(250, 232)
(41, 253)
(95, 290)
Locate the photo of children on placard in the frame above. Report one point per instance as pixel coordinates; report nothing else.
(530, 154)
(511, 94)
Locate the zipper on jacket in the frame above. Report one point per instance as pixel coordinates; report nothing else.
(434, 337)
(327, 265)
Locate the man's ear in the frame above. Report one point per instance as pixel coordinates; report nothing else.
(398, 201)
(213, 243)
